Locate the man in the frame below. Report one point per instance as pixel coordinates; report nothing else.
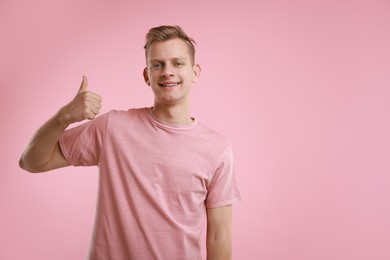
(162, 173)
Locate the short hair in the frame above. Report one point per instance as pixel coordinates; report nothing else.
(168, 32)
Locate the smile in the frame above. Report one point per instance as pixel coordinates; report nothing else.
(169, 84)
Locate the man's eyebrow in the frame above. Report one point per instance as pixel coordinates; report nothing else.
(154, 60)
(174, 59)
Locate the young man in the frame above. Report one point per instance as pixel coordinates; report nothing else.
(162, 173)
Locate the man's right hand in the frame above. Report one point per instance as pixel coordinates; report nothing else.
(85, 105)
(43, 153)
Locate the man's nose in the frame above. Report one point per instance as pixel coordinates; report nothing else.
(167, 71)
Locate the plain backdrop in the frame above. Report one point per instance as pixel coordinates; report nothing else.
(301, 88)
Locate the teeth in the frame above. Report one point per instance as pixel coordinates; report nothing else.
(169, 85)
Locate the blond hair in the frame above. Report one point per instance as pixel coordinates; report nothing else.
(168, 32)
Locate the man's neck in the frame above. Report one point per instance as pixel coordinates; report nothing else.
(173, 114)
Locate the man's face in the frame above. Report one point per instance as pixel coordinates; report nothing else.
(170, 72)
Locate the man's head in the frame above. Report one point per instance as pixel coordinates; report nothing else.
(170, 66)
(167, 32)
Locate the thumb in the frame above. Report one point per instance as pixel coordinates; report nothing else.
(84, 84)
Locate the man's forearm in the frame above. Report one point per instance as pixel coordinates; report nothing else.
(42, 147)
(43, 152)
(219, 249)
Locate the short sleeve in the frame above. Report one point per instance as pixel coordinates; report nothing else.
(81, 145)
(223, 189)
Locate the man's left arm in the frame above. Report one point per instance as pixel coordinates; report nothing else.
(219, 237)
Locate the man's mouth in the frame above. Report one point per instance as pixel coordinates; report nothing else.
(169, 84)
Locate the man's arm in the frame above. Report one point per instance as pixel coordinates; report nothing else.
(43, 153)
(219, 238)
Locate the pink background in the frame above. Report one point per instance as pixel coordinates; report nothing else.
(302, 89)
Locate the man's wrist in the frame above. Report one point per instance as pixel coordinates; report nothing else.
(62, 119)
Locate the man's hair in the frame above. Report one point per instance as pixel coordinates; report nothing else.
(167, 32)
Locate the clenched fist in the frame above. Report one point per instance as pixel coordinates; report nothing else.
(85, 105)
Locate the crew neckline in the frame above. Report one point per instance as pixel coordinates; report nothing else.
(170, 126)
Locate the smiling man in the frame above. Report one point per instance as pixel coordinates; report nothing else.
(163, 175)
(170, 72)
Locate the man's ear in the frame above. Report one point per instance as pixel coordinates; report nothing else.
(196, 72)
(146, 78)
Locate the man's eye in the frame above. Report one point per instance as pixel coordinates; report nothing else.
(179, 63)
(155, 66)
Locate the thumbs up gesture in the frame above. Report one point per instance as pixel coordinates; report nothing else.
(85, 105)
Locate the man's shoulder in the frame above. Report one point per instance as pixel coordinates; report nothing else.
(130, 111)
(119, 119)
(213, 136)
(117, 114)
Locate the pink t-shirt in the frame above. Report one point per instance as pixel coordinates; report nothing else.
(155, 182)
